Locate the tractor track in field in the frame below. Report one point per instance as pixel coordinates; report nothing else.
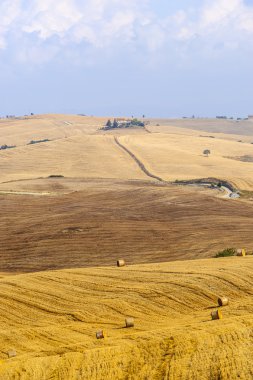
(139, 163)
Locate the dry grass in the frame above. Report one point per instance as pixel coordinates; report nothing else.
(86, 156)
(80, 149)
(107, 220)
(106, 208)
(173, 156)
(54, 127)
(216, 127)
(51, 320)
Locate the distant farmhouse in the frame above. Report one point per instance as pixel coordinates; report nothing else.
(122, 123)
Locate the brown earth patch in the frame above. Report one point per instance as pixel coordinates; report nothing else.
(136, 221)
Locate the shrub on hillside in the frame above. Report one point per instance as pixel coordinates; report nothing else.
(226, 252)
(37, 141)
(3, 147)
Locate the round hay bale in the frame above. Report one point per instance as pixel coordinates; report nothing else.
(100, 334)
(121, 263)
(216, 315)
(223, 301)
(129, 322)
(241, 252)
(11, 354)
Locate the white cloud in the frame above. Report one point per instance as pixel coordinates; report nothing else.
(246, 21)
(220, 13)
(96, 23)
(9, 11)
(220, 19)
(52, 26)
(50, 18)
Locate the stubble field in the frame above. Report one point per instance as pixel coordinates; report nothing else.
(72, 206)
(50, 319)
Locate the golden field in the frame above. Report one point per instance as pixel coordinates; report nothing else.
(79, 149)
(176, 157)
(51, 319)
(74, 205)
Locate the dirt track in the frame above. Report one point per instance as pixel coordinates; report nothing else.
(139, 163)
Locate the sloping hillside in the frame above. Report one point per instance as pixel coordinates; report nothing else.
(89, 197)
(50, 319)
(77, 148)
(20, 131)
(176, 157)
(219, 126)
(104, 219)
(84, 156)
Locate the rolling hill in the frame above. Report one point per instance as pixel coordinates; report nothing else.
(103, 219)
(80, 198)
(50, 320)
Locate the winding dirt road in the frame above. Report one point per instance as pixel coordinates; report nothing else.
(139, 163)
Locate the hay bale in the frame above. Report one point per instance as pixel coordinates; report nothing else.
(241, 252)
(100, 334)
(11, 354)
(121, 263)
(129, 322)
(216, 315)
(223, 301)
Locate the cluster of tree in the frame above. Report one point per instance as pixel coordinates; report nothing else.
(14, 117)
(123, 124)
(3, 147)
(224, 117)
(37, 141)
(137, 123)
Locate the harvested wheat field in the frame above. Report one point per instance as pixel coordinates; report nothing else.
(50, 319)
(20, 131)
(176, 157)
(78, 148)
(76, 201)
(104, 220)
(87, 196)
(215, 126)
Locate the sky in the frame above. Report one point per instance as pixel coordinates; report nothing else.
(161, 58)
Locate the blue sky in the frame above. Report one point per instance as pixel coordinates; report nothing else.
(126, 57)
